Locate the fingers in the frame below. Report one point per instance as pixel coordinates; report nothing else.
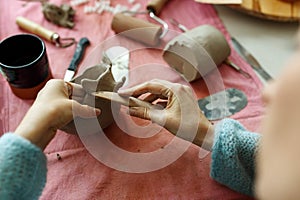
(75, 91)
(84, 111)
(134, 102)
(77, 94)
(140, 112)
(163, 104)
(158, 87)
(69, 89)
(155, 115)
(152, 97)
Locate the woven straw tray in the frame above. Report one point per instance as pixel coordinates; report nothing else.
(271, 9)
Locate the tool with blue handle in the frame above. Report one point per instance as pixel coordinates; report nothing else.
(79, 52)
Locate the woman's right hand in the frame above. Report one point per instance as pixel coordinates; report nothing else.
(55, 106)
(180, 111)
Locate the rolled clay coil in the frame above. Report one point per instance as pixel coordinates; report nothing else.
(197, 52)
(137, 29)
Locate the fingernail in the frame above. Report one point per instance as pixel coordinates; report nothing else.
(132, 110)
(97, 111)
(132, 102)
(123, 91)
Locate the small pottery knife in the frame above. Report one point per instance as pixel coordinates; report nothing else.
(80, 48)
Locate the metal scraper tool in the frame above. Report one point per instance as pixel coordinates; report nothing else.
(223, 104)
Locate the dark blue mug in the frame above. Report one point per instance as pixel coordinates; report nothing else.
(24, 64)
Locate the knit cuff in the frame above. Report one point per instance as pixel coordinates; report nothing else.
(233, 156)
(22, 167)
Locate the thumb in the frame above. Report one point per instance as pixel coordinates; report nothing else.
(84, 111)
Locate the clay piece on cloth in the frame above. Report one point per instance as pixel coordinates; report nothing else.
(197, 52)
(62, 15)
(94, 79)
(223, 104)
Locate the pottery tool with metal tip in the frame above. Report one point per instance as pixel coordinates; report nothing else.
(115, 97)
(141, 30)
(49, 35)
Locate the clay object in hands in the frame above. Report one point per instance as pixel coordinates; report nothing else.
(94, 79)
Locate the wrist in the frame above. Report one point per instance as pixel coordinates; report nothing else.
(205, 135)
(37, 136)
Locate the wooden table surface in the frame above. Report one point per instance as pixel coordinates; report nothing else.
(271, 9)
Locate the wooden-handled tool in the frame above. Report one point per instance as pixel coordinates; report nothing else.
(140, 30)
(49, 35)
(156, 6)
(115, 97)
(216, 111)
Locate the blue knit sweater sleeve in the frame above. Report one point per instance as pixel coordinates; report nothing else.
(233, 156)
(22, 168)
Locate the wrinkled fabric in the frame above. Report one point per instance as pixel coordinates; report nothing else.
(78, 175)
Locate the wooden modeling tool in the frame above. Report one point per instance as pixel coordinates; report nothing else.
(232, 101)
(115, 97)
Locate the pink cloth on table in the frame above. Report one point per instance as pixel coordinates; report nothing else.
(78, 175)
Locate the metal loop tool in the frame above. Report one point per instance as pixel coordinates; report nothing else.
(51, 36)
(154, 7)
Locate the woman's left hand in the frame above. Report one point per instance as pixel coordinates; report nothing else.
(180, 113)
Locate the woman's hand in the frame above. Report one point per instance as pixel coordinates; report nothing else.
(53, 109)
(179, 111)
